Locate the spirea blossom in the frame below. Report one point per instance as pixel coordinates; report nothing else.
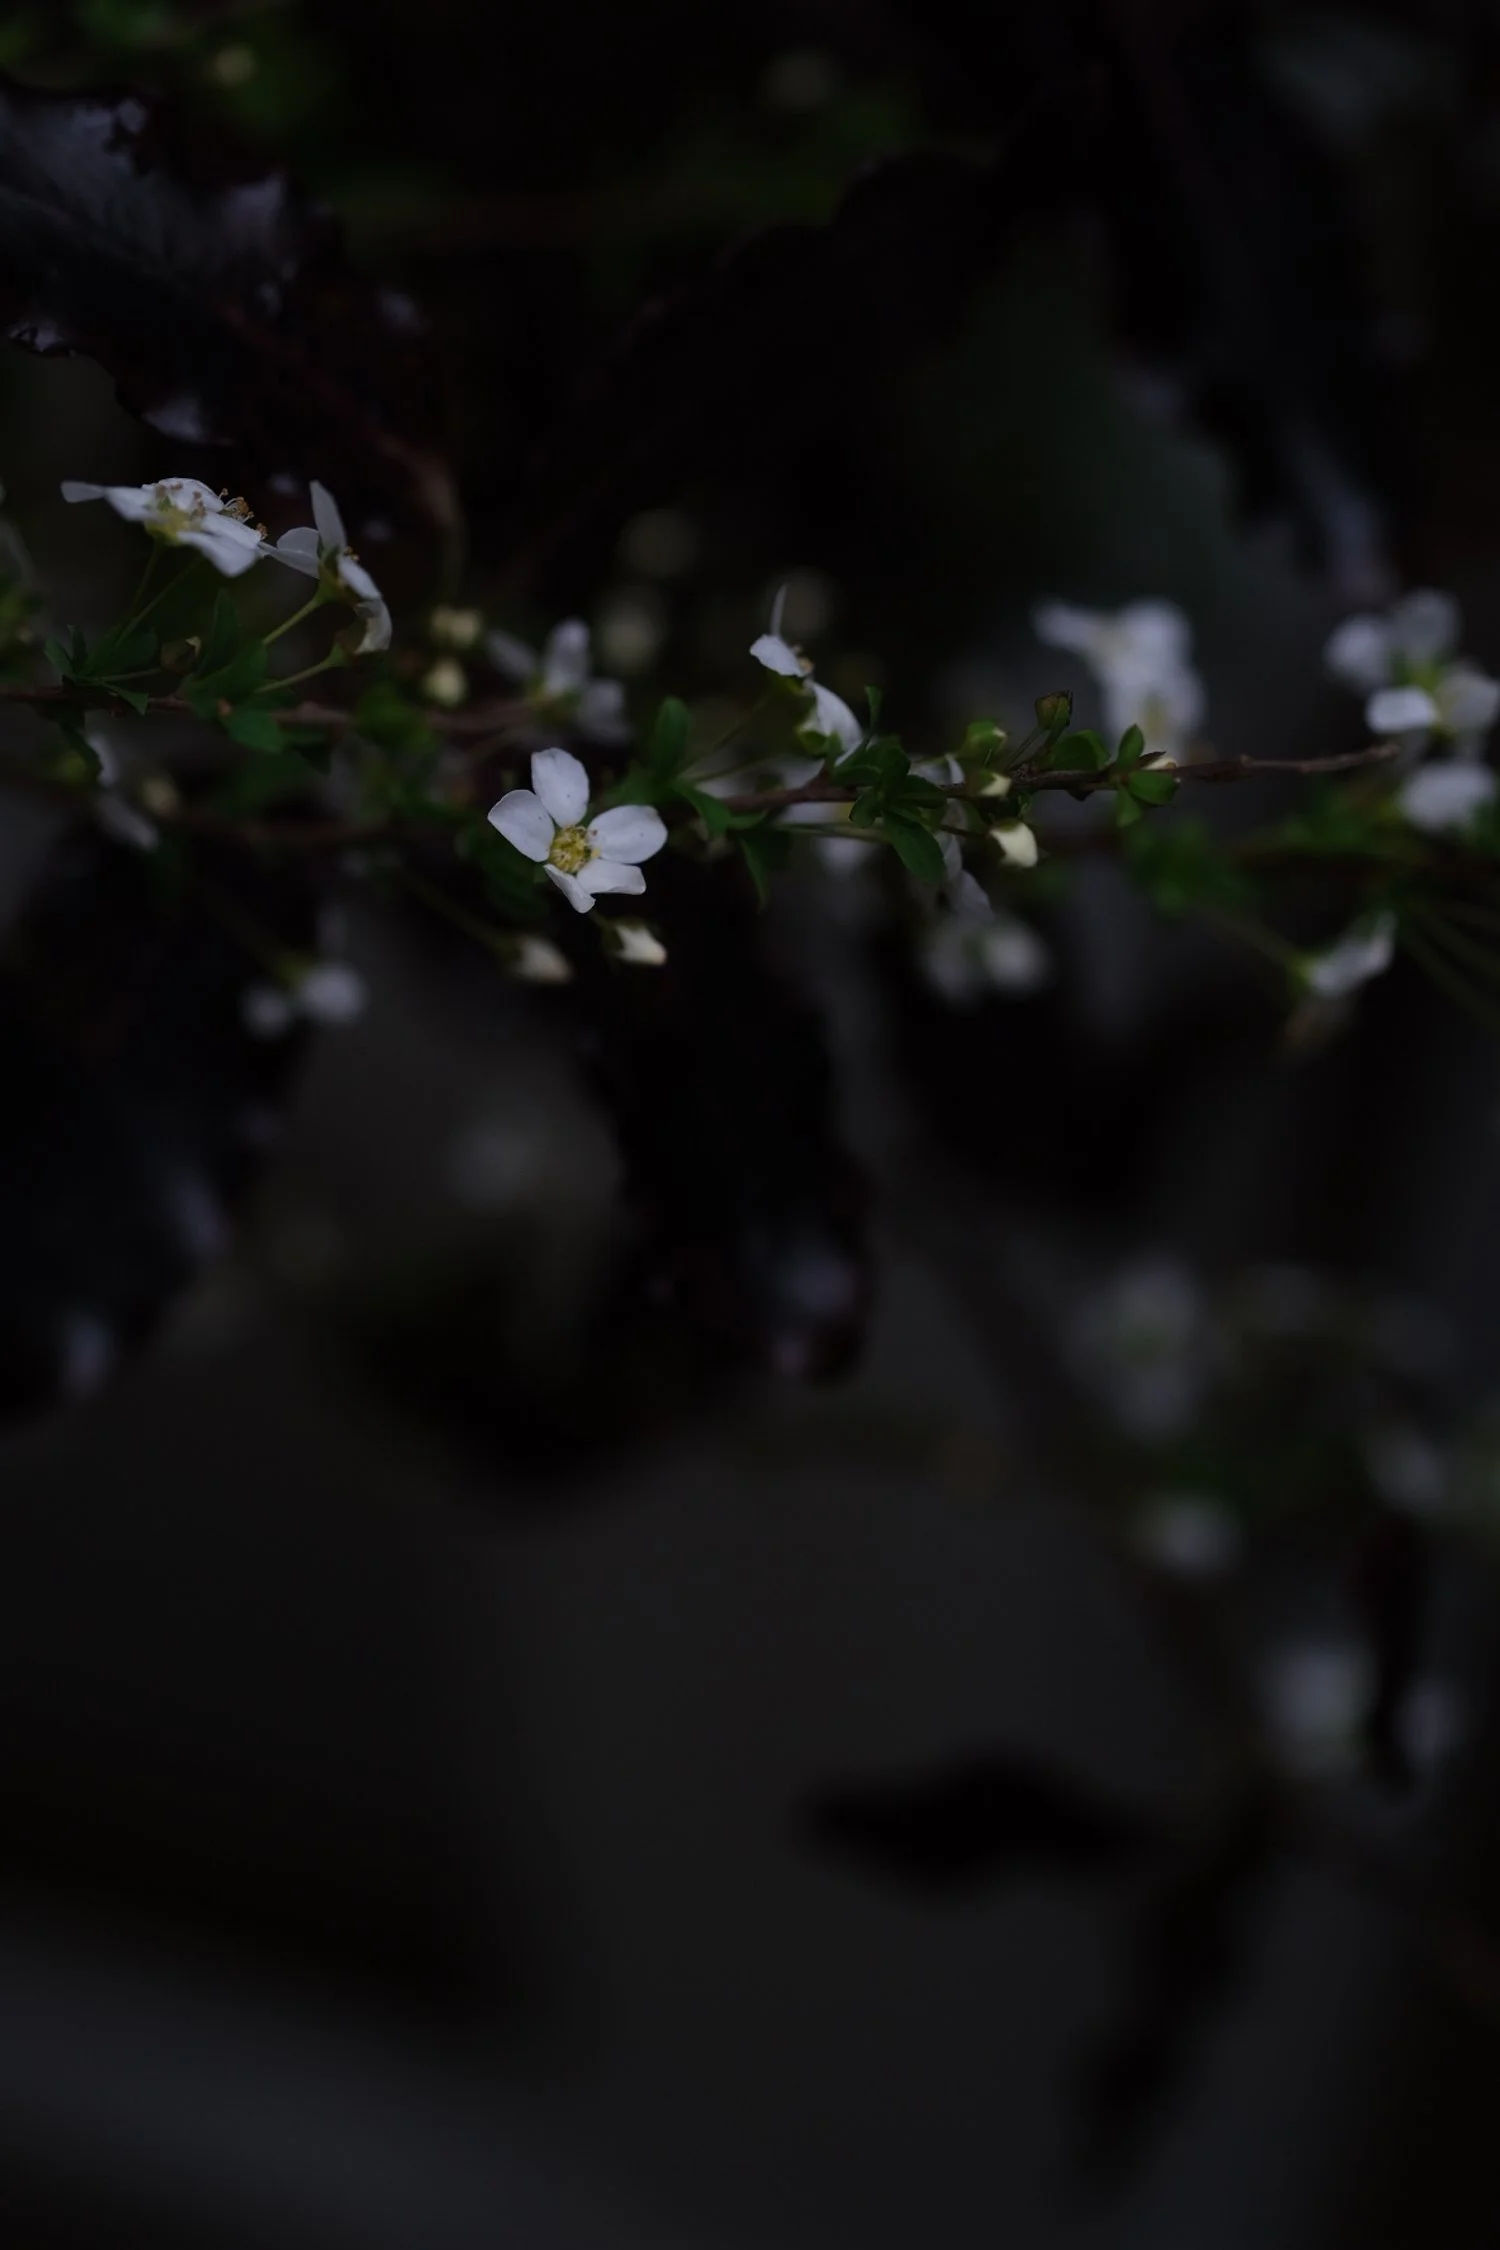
(1365, 951)
(329, 992)
(1141, 656)
(829, 716)
(549, 823)
(1404, 666)
(559, 675)
(1448, 794)
(183, 513)
(321, 550)
(972, 950)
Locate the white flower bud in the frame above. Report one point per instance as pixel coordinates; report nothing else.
(1018, 845)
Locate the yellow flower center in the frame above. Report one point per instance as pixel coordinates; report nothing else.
(570, 850)
(171, 519)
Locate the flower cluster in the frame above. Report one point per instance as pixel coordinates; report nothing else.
(1414, 686)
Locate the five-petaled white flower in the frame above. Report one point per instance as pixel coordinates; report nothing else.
(1449, 793)
(1367, 950)
(830, 716)
(561, 673)
(549, 823)
(183, 513)
(1141, 656)
(321, 550)
(1403, 665)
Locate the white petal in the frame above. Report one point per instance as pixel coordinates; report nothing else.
(189, 492)
(1445, 796)
(134, 502)
(953, 863)
(578, 898)
(1062, 625)
(777, 655)
(1468, 700)
(118, 818)
(630, 833)
(523, 820)
(601, 711)
(1401, 710)
(1424, 625)
(833, 717)
(326, 516)
(537, 960)
(610, 875)
(1156, 635)
(565, 659)
(298, 549)
(227, 556)
(636, 943)
(73, 489)
(1012, 956)
(377, 632)
(510, 656)
(1358, 652)
(562, 783)
(1365, 951)
(778, 611)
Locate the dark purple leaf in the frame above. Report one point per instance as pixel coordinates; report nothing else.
(217, 299)
(138, 1108)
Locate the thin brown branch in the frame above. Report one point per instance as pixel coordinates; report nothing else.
(490, 718)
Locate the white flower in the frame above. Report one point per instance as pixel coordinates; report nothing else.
(633, 942)
(327, 992)
(1017, 843)
(118, 817)
(1402, 664)
(321, 550)
(561, 673)
(830, 716)
(537, 960)
(1445, 795)
(549, 823)
(1141, 656)
(973, 950)
(1363, 952)
(183, 513)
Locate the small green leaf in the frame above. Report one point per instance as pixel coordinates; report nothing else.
(865, 810)
(122, 651)
(1079, 752)
(916, 847)
(1127, 811)
(223, 636)
(1055, 712)
(231, 683)
(667, 750)
(257, 730)
(712, 811)
(1131, 750)
(1152, 786)
(875, 698)
(137, 698)
(57, 655)
(766, 851)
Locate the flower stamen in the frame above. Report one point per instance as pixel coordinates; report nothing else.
(570, 850)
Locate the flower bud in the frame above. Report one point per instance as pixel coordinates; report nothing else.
(635, 943)
(536, 960)
(1018, 844)
(181, 656)
(1054, 711)
(998, 785)
(446, 683)
(454, 628)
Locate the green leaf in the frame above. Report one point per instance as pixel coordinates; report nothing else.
(137, 698)
(865, 810)
(389, 720)
(766, 851)
(712, 811)
(233, 682)
(667, 750)
(57, 655)
(263, 780)
(916, 847)
(1079, 752)
(1127, 811)
(1153, 787)
(223, 636)
(1131, 750)
(875, 698)
(257, 730)
(122, 651)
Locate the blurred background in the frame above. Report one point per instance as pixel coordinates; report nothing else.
(832, 1600)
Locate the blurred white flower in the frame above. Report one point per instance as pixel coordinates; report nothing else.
(973, 950)
(559, 676)
(183, 513)
(1314, 1697)
(445, 683)
(1141, 656)
(327, 992)
(1448, 794)
(549, 824)
(1189, 1534)
(536, 960)
(830, 716)
(1143, 1343)
(321, 550)
(1403, 664)
(1365, 951)
(454, 628)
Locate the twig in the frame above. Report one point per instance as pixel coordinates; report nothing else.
(335, 718)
